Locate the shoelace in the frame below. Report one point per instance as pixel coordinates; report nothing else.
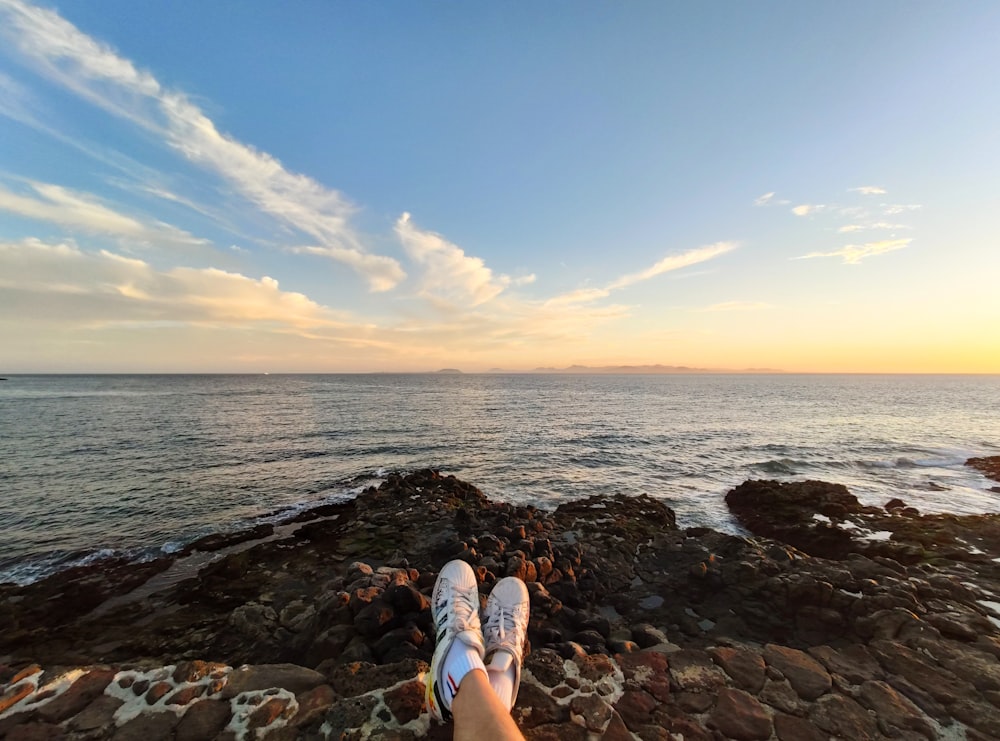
(463, 608)
(506, 623)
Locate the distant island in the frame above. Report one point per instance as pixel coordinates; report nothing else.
(649, 369)
(450, 371)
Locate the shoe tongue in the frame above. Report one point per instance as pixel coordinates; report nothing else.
(471, 637)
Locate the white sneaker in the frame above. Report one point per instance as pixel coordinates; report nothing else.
(507, 627)
(455, 609)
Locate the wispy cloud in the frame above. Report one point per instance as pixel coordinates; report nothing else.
(878, 225)
(75, 210)
(853, 254)
(97, 73)
(675, 262)
(806, 209)
(448, 273)
(868, 190)
(892, 209)
(764, 199)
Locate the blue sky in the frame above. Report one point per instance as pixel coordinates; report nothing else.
(327, 186)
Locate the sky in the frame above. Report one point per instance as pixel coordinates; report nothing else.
(392, 186)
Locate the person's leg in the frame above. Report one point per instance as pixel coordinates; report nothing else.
(479, 714)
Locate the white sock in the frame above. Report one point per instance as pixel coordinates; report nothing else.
(501, 676)
(461, 659)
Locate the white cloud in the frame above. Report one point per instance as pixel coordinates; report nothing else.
(74, 210)
(449, 274)
(806, 208)
(851, 228)
(869, 190)
(878, 225)
(675, 262)
(96, 72)
(764, 199)
(107, 289)
(891, 209)
(853, 254)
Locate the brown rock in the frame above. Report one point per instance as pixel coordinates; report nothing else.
(744, 666)
(535, 708)
(185, 695)
(590, 711)
(36, 732)
(146, 726)
(546, 666)
(893, 711)
(14, 695)
(293, 678)
(556, 732)
(980, 715)
(693, 702)
(780, 695)
(635, 706)
(791, 728)
(349, 713)
(406, 701)
(594, 667)
(648, 669)
(268, 712)
(693, 671)
(78, 696)
(157, 691)
(854, 663)
(739, 716)
(192, 671)
(28, 671)
(205, 719)
(616, 729)
(806, 675)
(99, 714)
(360, 677)
(842, 716)
(918, 670)
(313, 704)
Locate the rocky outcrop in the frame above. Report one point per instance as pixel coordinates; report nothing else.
(639, 628)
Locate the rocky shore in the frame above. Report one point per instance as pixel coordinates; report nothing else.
(829, 620)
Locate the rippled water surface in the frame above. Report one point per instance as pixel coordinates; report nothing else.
(138, 464)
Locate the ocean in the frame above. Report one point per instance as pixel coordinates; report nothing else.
(139, 465)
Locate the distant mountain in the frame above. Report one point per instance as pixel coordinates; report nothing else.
(449, 371)
(649, 369)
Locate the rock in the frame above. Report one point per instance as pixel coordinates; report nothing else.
(36, 732)
(203, 720)
(893, 711)
(806, 675)
(293, 678)
(80, 694)
(349, 713)
(843, 717)
(313, 704)
(546, 666)
(635, 707)
(852, 662)
(693, 671)
(192, 671)
(14, 695)
(791, 728)
(98, 715)
(405, 701)
(359, 678)
(267, 712)
(536, 708)
(590, 711)
(744, 666)
(146, 726)
(739, 716)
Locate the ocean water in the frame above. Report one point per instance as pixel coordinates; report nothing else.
(92, 466)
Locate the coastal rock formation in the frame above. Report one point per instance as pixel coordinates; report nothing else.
(833, 621)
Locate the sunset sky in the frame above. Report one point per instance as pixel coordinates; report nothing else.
(343, 186)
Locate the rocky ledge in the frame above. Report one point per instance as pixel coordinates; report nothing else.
(831, 620)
